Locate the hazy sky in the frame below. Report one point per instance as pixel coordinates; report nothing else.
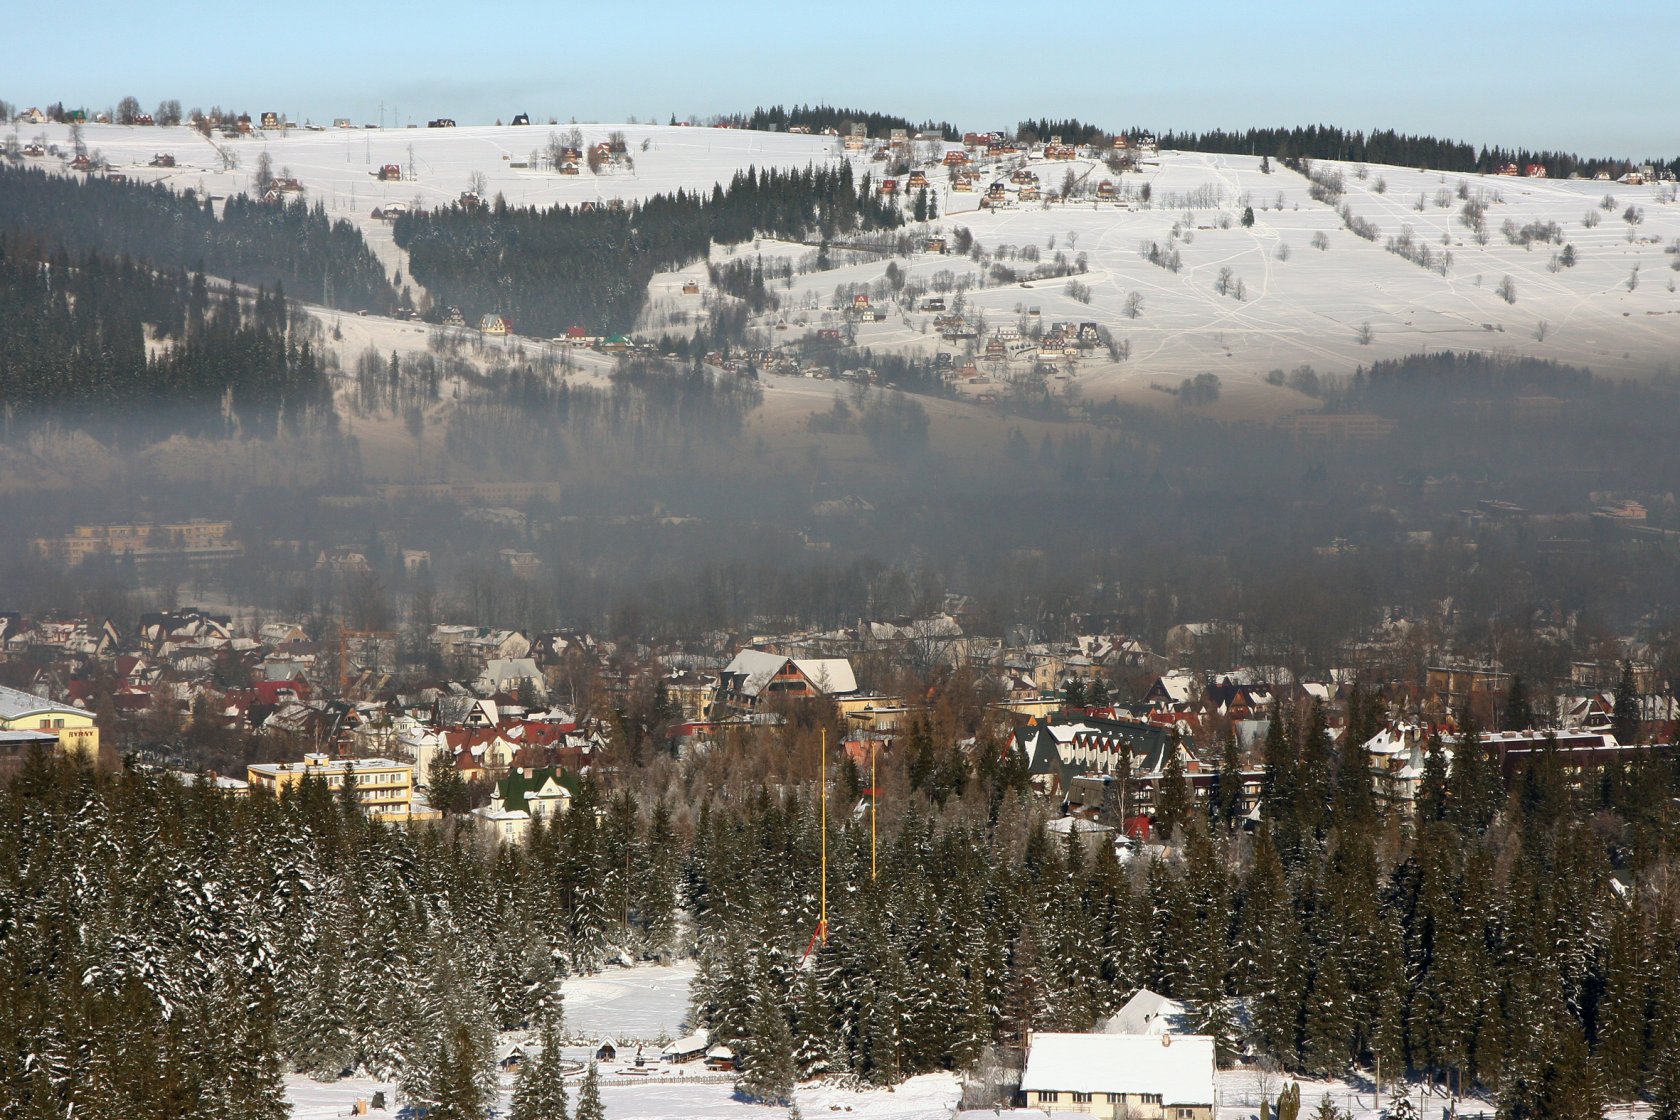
(1593, 76)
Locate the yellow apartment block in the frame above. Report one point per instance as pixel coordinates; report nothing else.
(23, 711)
(384, 788)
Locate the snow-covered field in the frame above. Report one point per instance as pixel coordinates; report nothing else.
(642, 1003)
(337, 167)
(1616, 310)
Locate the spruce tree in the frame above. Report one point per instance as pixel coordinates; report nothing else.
(540, 1091)
(767, 1056)
(1519, 714)
(1225, 805)
(1624, 715)
(589, 1097)
(1327, 1109)
(1173, 804)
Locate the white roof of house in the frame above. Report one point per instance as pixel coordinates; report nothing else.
(831, 674)
(1061, 826)
(1177, 1067)
(690, 1044)
(15, 704)
(1146, 1013)
(1177, 685)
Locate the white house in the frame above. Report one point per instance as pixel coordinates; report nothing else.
(1140, 1077)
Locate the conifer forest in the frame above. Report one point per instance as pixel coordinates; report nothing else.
(168, 951)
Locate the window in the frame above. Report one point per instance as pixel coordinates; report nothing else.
(1081, 1098)
(1116, 1098)
(1186, 1113)
(1048, 1098)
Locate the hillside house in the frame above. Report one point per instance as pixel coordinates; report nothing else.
(1110, 1076)
(526, 795)
(754, 676)
(271, 120)
(963, 184)
(889, 186)
(494, 324)
(163, 159)
(918, 179)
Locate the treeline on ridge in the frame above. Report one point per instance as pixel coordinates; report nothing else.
(553, 269)
(819, 118)
(292, 245)
(1387, 146)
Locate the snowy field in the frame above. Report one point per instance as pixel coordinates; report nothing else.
(646, 1003)
(931, 1097)
(1617, 310)
(337, 167)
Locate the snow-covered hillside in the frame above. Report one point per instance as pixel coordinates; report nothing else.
(1300, 286)
(337, 167)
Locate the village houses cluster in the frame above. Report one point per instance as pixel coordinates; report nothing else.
(1099, 721)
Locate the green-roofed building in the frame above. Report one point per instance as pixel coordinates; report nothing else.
(527, 794)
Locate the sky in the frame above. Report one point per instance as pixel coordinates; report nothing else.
(1589, 76)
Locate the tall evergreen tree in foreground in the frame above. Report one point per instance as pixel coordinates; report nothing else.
(589, 1096)
(540, 1092)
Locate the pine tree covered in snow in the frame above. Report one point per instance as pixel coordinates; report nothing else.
(540, 1091)
(589, 1097)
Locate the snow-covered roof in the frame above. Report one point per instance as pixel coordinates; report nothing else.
(1061, 826)
(756, 668)
(16, 705)
(1178, 686)
(695, 1043)
(1177, 1067)
(1146, 1013)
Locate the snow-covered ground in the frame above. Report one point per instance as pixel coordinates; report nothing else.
(930, 1097)
(642, 1003)
(337, 167)
(645, 1001)
(1617, 310)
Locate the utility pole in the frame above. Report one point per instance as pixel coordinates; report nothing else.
(822, 919)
